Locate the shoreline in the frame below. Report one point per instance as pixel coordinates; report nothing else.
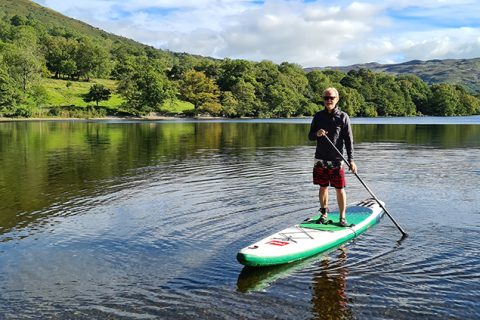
(475, 119)
(115, 118)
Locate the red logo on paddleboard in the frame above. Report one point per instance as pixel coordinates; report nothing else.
(278, 243)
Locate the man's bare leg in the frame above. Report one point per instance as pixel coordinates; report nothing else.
(323, 197)
(342, 202)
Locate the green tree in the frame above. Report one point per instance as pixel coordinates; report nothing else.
(309, 108)
(229, 104)
(5, 31)
(471, 104)
(25, 37)
(198, 89)
(445, 100)
(146, 88)
(23, 65)
(9, 94)
(267, 74)
(417, 89)
(351, 101)
(290, 91)
(294, 77)
(335, 76)
(91, 59)
(123, 66)
(284, 100)
(211, 107)
(317, 82)
(364, 81)
(60, 55)
(369, 110)
(181, 65)
(97, 93)
(244, 93)
(389, 97)
(210, 68)
(234, 71)
(69, 67)
(18, 20)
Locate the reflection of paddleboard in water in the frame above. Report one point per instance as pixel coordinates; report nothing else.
(309, 238)
(256, 279)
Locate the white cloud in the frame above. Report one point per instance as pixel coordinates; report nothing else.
(314, 33)
(453, 43)
(291, 31)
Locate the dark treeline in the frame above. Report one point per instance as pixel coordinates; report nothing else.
(31, 50)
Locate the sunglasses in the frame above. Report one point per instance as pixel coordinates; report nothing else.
(329, 98)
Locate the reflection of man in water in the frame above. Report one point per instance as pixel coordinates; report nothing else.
(329, 299)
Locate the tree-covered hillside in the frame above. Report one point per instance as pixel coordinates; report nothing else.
(39, 47)
(464, 72)
(54, 20)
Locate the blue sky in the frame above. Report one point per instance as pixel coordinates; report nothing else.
(310, 33)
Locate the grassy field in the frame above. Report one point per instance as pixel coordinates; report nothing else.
(63, 93)
(67, 93)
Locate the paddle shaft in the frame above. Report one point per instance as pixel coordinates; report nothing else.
(366, 187)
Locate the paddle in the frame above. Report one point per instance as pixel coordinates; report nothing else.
(368, 189)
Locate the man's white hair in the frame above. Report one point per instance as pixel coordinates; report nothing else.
(331, 89)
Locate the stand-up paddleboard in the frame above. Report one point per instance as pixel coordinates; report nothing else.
(308, 238)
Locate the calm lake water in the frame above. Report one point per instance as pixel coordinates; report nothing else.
(143, 220)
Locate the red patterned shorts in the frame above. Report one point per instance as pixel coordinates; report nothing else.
(329, 176)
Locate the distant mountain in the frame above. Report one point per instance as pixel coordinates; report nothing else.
(465, 72)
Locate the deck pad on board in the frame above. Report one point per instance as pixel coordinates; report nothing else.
(355, 215)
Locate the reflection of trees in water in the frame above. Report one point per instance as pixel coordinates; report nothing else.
(329, 299)
(442, 136)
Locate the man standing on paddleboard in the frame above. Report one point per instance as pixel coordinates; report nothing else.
(328, 169)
